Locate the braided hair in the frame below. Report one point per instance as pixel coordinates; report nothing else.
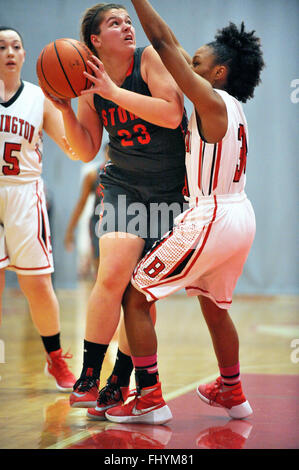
(92, 19)
(241, 52)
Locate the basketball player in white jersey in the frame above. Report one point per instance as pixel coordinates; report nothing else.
(206, 251)
(25, 240)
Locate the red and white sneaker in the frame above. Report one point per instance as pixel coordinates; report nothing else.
(148, 407)
(57, 367)
(110, 396)
(232, 398)
(85, 391)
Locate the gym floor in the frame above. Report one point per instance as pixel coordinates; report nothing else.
(34, 415)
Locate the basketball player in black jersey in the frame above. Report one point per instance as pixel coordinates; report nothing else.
(141, 107)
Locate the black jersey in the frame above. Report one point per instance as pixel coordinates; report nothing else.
(137, 145)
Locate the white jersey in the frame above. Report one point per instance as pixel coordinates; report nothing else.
(214, 169)
(206, 250)
(21, 123)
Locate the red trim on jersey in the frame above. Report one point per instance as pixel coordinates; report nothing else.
(199, 164)
(196, 255)
(28, 269)
(207, 292)
(39, 153)
(47, 238)
(219, 150)
(130, 69)
(3, 259)
(44, 248)
(187, 213)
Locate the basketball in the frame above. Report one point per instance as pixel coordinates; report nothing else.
(60, 68)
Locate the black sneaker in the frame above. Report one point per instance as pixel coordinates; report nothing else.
(111, 395)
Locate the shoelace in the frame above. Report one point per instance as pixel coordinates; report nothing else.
(67, 355)
(84, 384)
(60, 362)
(214, 389)
(108, 393)
(112, 392)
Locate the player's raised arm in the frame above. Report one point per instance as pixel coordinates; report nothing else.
(155, 30)
(199, 90)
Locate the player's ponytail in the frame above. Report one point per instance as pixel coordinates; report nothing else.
(241, 52)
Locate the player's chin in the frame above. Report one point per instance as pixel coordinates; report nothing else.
(131, 43)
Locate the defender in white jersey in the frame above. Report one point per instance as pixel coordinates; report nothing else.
(219, 226)
(206, 251)
(21, 185)
(25, 239)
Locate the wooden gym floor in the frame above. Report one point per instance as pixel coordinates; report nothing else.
(34, 415)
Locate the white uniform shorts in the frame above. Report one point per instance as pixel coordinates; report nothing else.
(204, 253)
(25, 239)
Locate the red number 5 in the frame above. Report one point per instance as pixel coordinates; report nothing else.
(13, 168)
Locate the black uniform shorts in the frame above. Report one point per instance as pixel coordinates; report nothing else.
(142, 204)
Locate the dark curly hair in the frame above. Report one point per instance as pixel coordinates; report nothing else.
(241, 52)
(92, 19)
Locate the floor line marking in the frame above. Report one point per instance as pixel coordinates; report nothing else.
(169, 396)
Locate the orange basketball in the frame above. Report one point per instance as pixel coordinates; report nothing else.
(60, 68)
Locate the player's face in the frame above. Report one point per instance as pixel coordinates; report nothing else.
(203, 63)
(12, 53)
(117, 31)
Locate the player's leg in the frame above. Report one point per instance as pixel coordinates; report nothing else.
(223, 332)
(226, 391)
(116, 390)
(42, 301)
(148, 406)
(141, 333)
(118, 259)
(139, 326)
(119, 255)
(44, 310)
(123, 366)
(123, 343)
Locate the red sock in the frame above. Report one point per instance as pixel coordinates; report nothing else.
(230, 375)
